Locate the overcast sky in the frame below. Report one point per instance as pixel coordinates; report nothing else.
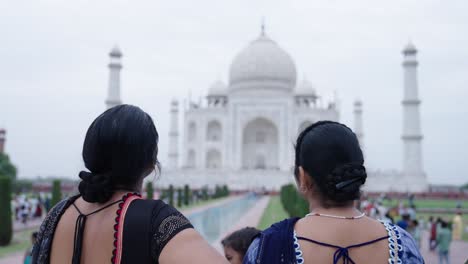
(54, 55)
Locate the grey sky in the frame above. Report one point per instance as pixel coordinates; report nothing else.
(53, 68)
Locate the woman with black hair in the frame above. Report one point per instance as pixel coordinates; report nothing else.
(108, 222)
(329, 172)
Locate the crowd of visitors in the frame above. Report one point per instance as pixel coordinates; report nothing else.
(441, 231)
(26, 209)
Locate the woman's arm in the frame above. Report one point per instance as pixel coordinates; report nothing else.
(189, 247)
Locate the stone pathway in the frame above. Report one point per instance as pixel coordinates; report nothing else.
(18, 226)
(458, 251)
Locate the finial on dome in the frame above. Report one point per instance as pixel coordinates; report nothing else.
(263, 26)
(115, 52)
(410, 48)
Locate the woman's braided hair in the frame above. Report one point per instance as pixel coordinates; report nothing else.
(329, 152)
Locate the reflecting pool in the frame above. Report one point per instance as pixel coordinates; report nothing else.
(214, 222)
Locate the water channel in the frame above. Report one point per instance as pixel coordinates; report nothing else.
(215, 221)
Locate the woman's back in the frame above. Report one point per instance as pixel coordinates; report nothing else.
(98, 236)
(108, 222)
(329, 171)
(343, 233)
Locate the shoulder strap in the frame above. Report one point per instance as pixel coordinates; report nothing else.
(137, 231)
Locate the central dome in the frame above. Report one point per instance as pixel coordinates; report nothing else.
(263, 65)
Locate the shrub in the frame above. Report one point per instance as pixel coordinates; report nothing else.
(56, 193)
(170, 194)
(225, 190)
(186, 194)
(149, 191)
(204, 193)
(179, 197)
(6, 225)
(294, 204)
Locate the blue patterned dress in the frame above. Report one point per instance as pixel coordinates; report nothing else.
(402, 247)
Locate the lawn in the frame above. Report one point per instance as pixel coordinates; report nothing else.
(273, 213)
(21, 242)
(429, 203)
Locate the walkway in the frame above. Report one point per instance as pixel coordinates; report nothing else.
(458, 251)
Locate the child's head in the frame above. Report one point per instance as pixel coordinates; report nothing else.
(33, 237)
(236, 244)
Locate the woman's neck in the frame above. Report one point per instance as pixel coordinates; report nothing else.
(338, 211)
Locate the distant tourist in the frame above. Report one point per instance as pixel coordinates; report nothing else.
(457, 226)
(415, 231)
(404, 221)
(27, 255)
(236, 244)
(108, 221)
(329, 172)
(444, 238)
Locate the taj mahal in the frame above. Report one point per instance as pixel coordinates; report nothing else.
(244, 131)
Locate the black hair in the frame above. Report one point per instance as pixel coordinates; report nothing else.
(240, 240)
(443, 224)
(34, 235)
(330, 154)
(120, 149)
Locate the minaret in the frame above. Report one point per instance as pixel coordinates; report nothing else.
(412, 136)
(115, 65)
(358, 126)
(2, 140)
(174, 136)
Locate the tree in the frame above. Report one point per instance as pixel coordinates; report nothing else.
(149, 191)
(6, 224)
(179, 197)
(225, 190)
(186, 194)
(170, 194)
(56, 192)
(7, 168)
(204, 193)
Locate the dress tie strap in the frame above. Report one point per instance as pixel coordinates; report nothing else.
(79, 231)
(342, 252)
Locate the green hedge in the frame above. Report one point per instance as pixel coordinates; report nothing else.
(170, 195)
(149, 191)
(294, 204)
(6, 224)
(56, 193)
(187, 195)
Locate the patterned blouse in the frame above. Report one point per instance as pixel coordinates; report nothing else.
(401, 246)
(164, 223)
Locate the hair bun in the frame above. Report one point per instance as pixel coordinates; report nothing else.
(95, 188)
(344, 182)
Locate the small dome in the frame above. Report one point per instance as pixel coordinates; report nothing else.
(305, 88)
(262, 63)
(218, 88)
